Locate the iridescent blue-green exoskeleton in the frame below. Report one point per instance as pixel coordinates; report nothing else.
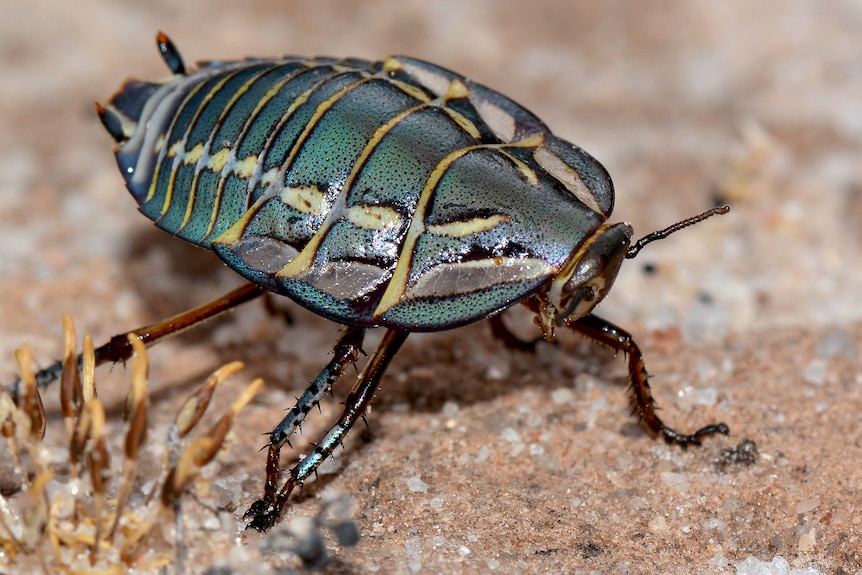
(395, 194)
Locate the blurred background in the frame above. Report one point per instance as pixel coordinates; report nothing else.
(529, 463)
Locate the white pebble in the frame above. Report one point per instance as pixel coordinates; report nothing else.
(807, 505)
(416, 484)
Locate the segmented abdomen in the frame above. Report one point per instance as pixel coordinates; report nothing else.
(394, 193)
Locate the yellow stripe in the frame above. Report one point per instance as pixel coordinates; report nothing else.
(410, 90)
(303, 261)
(398, 284)
(169, 193)
(464, 123)
(217, 161)
(234, 233)
(528, 172)
(164, 151)
(246, 166)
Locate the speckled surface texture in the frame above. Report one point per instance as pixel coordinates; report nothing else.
(479, 459)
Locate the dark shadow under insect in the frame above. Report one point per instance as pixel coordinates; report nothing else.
(392, 194)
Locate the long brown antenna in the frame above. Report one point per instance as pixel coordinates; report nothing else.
(661, 234)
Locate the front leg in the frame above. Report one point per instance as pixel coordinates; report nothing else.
(265, 512)
(607, 334)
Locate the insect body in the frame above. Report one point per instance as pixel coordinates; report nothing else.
(394, 193)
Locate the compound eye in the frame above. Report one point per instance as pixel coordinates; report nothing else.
(591, 266)
(590, 273)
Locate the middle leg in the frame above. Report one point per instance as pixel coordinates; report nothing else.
(265, 512)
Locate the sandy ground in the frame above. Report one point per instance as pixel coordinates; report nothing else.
(480, 459)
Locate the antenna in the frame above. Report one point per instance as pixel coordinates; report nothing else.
(661, 234)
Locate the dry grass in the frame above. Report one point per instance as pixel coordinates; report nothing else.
(88, 514)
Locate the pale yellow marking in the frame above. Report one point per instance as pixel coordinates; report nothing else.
(304, 199)
(268, 177)
(398, 284)
(392, 64)
(163, 154)
(175, 149)
(456, 90)
(160, 143)
(303, 261)
(377, 218)
(245, 168)
(218, 161)
(460, 229)
(234, 233)
(464, 123)
(529, 173)
(193, 155)
(568, 176)
(410, 90)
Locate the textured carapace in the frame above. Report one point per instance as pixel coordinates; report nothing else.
(393, 193)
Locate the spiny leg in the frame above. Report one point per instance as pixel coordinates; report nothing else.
(265, 512)
(616, 338)
(346, 352)
(118, 347)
